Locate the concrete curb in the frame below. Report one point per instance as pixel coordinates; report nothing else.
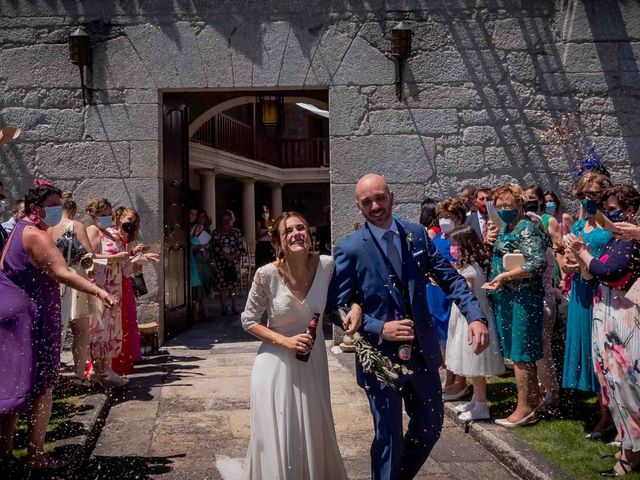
(508, 449)
(89, 419)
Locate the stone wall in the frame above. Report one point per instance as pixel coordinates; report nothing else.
(485, 80)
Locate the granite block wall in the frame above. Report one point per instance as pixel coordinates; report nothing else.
(485, 84)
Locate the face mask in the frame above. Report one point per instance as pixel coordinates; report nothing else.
(615, 215)
(550, 207)
(454, 251)
(508, 216)
(446, 225)
(590, 206)
(3, 205)
(105, 222)
(53, 215)
(531, 206)
(128, 227)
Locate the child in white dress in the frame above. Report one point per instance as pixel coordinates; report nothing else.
(470, 254)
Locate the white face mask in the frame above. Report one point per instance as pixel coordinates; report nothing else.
(3, 206)
(446, 225)
(105, 222)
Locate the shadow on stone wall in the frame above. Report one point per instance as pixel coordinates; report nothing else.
(621, 75)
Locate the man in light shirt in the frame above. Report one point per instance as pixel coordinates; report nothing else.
(16, 215)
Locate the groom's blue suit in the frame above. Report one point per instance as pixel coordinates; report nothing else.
(362, 275)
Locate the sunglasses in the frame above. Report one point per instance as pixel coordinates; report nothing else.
(589, 195)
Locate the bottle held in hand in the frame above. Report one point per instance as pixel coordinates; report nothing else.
(311, 330)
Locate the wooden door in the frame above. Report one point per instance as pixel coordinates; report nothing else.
(175, 148)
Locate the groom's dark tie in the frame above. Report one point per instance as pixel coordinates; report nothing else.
(392, 253)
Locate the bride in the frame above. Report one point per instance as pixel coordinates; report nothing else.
(292, 432)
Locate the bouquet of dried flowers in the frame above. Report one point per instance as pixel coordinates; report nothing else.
(375, 362)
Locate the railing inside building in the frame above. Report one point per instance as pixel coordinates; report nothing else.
(233, 136)
(310, 152)
(227, 134)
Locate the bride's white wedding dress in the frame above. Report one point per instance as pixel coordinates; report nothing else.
(292, 432)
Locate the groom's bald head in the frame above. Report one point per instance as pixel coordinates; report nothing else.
(375, 200)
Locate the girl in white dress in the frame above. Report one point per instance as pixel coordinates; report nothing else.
(292, 431)
(470, 253)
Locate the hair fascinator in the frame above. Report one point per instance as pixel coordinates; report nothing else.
(41, 183)
(591, 162)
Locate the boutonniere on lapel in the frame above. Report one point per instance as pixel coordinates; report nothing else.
(410, 241)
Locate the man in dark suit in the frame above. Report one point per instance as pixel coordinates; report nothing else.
(478, 219)
(384, 267)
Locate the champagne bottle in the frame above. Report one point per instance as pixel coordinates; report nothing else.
(311, 330)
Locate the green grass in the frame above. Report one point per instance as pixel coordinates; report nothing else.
(66, 403)
(560, 438)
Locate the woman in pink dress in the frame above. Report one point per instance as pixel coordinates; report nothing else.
(126, 229)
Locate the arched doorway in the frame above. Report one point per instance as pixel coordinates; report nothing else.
(233, 161)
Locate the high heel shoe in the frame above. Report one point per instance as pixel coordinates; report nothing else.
(627, 467)
(523, 422)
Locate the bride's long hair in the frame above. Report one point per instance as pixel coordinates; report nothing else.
(277, 238)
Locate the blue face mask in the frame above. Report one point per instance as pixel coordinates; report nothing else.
(615, 215)
(590, 206)
(105, 222)
(53, 215)
(508, 216)
(550, 207)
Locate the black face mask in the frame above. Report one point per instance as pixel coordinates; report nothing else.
(128, 228)
(532, 206)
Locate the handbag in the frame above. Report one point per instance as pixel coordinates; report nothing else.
(511, 261)
(139, 285)
(70, 246)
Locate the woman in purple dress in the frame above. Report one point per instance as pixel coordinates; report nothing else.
(30, 268)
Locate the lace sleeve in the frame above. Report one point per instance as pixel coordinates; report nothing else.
(533, 248)
(256, 301)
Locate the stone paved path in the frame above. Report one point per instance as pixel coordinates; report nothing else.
(188, 406)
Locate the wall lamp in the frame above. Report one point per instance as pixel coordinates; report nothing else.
(400, 50)
(271, 107)
(80, 54)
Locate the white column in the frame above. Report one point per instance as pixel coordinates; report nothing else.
(249, 211)
(276, 200)
(208, 192)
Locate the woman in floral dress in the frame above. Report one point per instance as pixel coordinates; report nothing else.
(106, 331)
(616, 324)
(228, 246)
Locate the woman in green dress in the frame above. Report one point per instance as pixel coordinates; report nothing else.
(518, 298)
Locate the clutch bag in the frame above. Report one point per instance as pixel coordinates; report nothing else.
(511, 261)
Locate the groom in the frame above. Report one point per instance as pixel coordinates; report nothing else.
(384, 266)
